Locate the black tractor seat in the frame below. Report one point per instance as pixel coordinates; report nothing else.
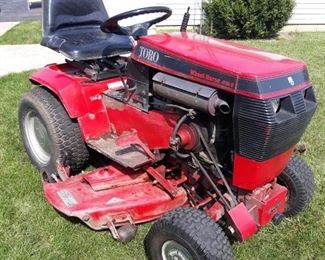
(87, 43)
(72, 27)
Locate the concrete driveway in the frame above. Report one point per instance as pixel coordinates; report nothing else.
(4, 27)
(19, 58)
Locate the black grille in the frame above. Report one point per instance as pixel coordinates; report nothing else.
(298, 102)
(261, 134)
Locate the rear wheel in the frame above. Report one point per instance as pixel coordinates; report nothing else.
(49, 135)
(186, 234)
(299, 180)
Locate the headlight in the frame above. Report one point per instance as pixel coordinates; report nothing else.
(275, 105)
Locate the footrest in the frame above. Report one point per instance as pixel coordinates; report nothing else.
(129, 156)
(111, 177)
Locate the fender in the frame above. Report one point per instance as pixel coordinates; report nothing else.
(80, 97)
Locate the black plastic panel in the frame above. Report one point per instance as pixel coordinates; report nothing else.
(261, 134)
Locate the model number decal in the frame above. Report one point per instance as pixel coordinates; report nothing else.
(213, 79)
(67, 198)
(149, 54)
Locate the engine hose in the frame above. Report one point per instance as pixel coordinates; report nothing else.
(182, 155)
(215, 162)
(179, 123)
(207, 176)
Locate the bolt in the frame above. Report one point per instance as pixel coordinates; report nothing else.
(91, 116)
(85, 218)
(231, 229)
(278, 218)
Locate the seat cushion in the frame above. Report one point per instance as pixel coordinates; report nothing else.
(87, 43)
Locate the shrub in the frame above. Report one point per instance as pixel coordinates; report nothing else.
(246, 19)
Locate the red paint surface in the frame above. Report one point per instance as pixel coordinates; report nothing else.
(82, 99)
(231, 58)
(274, 203)
(80, 96)
(74, 91)
(153, 128)
(224, 56)
(143, 201)
(188, 137)
(242, 222)
(250, 174)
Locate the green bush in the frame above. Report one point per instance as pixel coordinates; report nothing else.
(246, 19)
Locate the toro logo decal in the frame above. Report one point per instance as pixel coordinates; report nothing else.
(291, 81)
(149, 54)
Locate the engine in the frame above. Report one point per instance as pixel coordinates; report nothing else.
(251, 107)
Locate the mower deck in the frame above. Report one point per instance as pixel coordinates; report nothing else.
(108, 194)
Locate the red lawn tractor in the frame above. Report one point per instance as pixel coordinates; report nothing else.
(197, 133)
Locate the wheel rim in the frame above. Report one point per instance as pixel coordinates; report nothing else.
(172, 250)
(37, 137)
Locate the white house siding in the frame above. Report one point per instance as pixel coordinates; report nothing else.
(179, 7)
(118, 6)
(308, 12)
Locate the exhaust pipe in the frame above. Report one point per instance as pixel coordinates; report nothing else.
(223, 107)
(190, 94)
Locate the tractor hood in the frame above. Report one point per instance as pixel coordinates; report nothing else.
(222, 64)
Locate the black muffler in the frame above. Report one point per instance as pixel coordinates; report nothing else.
(190, 94)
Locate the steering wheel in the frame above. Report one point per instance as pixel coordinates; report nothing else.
(137, 30)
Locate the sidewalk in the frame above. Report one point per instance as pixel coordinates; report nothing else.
(19, 58)
(4, 27)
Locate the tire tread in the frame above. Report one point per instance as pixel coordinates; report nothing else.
(302, 183)
(68, 140)
(207, 236)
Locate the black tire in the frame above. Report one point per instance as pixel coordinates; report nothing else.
(65, 144)
(299, 180)
(193, 230)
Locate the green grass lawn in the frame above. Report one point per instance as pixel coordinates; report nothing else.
(23, 33)
(31, 228)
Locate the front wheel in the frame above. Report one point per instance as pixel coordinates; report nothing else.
(299, 180)
(187, 234)
(49, 135)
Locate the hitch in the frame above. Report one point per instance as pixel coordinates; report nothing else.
(124, 233)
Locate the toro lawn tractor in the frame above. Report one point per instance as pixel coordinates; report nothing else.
(199, 133)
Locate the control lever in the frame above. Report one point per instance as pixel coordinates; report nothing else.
(186, 20)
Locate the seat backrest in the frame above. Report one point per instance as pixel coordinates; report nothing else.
(65, 14)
